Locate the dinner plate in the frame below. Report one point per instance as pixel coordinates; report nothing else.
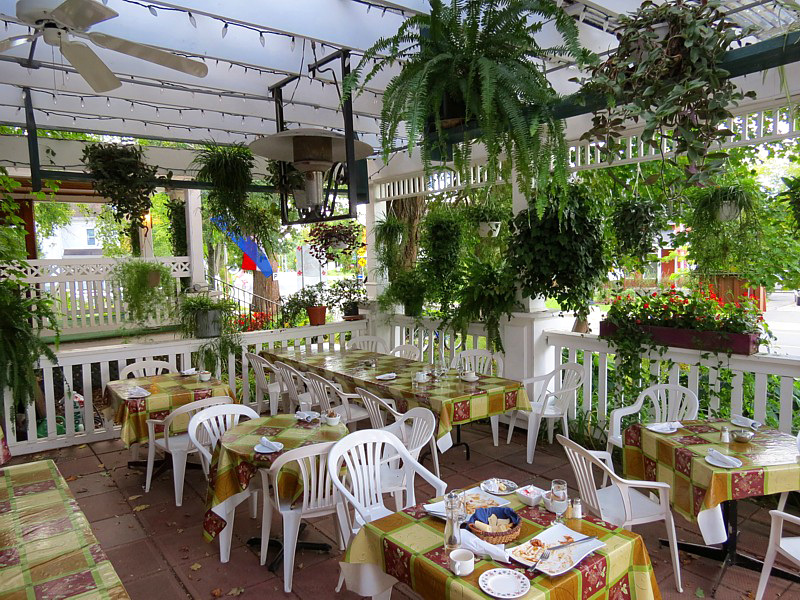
(467, 380)
(561, 560)
(662, 428)
(504, 583)
(716, 463)
(262, 450)
(386, 377)
(745, 422)
(476, 498)
(501, 487)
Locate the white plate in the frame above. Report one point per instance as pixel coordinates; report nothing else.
(262, 450)
(504, 583)
(386, 377)
(469, 380)
(478, 497)
(744, 422)
(717, 463)
(492, 486)
(661, 428)
(562, 560)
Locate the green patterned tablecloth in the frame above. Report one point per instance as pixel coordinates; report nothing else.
(47, 548)
(452, 400)
(409, 546)
(167, 392)
(770, 464)
(5, 454)
(235, 461)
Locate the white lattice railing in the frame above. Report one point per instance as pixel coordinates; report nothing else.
(87, 370)
(86, 299)
(761, 383)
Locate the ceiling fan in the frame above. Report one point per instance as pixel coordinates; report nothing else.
(57, 22)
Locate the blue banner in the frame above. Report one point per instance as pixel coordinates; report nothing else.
(248, 246)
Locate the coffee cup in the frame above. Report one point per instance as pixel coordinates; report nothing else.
(204, 375)
(420, 377)
(462, 562)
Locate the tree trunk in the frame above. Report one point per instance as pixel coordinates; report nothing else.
(410, 211)
(266, 288)
(215, 258)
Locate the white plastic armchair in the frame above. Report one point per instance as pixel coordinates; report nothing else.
(785, 495)
(362, 454)
(376, 406)
(622, 503)
(548, 403)
(788, 546)
(409, 351)
(296, 387)
(261, 366)
(481, 361)
(669, 402)
(323, 391)
(415, 429)
(147, 368)
(371, 343)
(319, 499)
(179, 446)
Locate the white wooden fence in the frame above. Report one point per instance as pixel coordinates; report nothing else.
(92, 368)
(424, 333)
(773, 377)
(86, 299)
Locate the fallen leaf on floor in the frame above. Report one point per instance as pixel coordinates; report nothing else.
(101, 465)
(82, 446)
(171, 523)
(237, 591)
(71, 478)
(196, 567)
(699, 593)
(216, 592)
(184, 548)
(300, 566)
(134, 497)
(748, 595)
(82, 491)
(179, 530)
(141, 507)
(105, 474)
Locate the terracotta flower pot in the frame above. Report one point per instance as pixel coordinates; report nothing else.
(316, 314)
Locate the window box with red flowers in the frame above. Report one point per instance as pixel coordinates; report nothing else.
(696, 319)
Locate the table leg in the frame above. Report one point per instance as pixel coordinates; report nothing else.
(460, 443)
(255, 542)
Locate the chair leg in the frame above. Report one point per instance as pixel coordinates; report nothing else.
(266, 517)
(226, 537)
(291, 529)
(564, 426)
(151, 458)
(435, 456)
(534, 421)
(782, 501)
(274, 398)
(551, 429)
(259, 399)
(135, 447)
(511, 426)
(178, 473)
(254, 505)
(398, 500)
(495, 421)
(673, 548)
(766, 570)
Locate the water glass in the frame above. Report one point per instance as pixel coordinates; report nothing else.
(559, 500)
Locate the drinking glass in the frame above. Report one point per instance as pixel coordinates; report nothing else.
(559, 500)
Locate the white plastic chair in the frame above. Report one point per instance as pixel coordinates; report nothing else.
(179, 446)
(362, 454)
(370, 343)
(319, 499)
(785, 495)
(147, 368)
(260, 366)
(205, 430)
(481, 361)
(409, 351)
(322, 391)
(788, 546)
(415, 429)
(548, 404)
(296, 387)
(621, 503)
(669, 402)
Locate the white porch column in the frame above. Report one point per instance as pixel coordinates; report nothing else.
(194, 237)
(375, 211)
(146, 240)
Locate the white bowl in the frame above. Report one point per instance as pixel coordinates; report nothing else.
(333, 421)
(530, 495)
(204, 375)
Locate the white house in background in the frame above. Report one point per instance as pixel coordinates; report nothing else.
(77, 239)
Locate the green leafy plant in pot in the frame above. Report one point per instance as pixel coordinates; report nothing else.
(202, 316)
(345, 294)
(638, 222)
(441, 243)
(330, 241)
(313, 299)
(147, 287)
(407, 288)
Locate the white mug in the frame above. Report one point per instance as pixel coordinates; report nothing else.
(462, 562)
(470, 375)
(204, 376)
(421, 376)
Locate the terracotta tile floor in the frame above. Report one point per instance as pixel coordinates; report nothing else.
(155, 549)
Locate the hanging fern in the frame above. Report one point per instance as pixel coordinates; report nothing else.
(481, 56)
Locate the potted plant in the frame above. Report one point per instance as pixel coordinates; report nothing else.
(726, 202)
(312, 299)
(135, 278)
(638, 222)
(330, 241)
(390, 237)
(441, 242)
(476, 63)
(121, 175)
(202, 316)
(345, 294)
(488, 217)
(407, 288)
(665, 74)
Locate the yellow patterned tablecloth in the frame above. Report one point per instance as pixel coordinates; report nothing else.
(167, 392)
(409, 546)
(47, 548)
(5, 454)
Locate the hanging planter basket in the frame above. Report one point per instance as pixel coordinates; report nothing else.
(487, 229)
(209, 323)
(153, 278)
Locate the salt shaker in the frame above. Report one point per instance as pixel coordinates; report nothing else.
(725, 435)
(452, 527)
(577, 509)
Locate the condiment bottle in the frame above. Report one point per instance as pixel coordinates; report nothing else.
(725, 435)
(568, 513)
(577, 509)
(452, 527)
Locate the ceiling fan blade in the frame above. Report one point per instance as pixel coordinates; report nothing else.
(150, 54)
(16, 40)
(82, 14)
(91, 68)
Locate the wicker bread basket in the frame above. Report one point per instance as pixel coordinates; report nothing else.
(500, 537)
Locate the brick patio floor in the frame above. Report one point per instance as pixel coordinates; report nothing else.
(157, 550)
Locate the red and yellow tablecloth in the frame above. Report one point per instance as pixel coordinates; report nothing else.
(47, 548)
(409, 546)
(452, 400)
(5, 454)
(167, 392)
(235, 461)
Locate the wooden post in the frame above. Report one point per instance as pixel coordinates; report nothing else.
(194, 237)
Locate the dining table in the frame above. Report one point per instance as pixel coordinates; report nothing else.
(453, 401)
(165, 393)
(5, 454)
(408, 547)
(706, 494)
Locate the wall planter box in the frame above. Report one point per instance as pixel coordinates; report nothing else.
(709, 341)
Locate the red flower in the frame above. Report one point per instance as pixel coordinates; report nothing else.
(655, 294)
(646, 305)
(672, 287)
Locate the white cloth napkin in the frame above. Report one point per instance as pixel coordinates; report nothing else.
(137, 392)
(304, 416)
(664, 427)
(270, 446)
(191, 371)
(471, 542)
(747, 422)
(386, 376)
(728, 461)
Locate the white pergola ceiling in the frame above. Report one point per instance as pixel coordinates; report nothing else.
(263, 43)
